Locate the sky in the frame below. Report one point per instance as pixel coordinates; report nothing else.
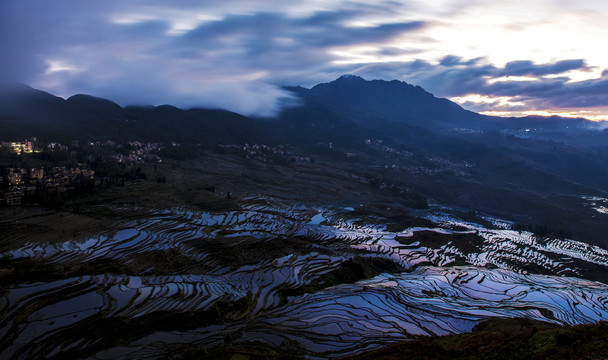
(506, 58)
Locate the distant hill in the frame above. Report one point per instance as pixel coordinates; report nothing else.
(26, 112)
(403, 103)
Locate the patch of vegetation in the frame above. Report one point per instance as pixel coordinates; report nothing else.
(153, 262)
(113, 331)
(288, 350)
(498, 339)
(350, 271)
(247, 250)
(146, 194)
(395, 217)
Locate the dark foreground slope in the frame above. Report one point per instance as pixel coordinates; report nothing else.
(508, 339)
(513, 339)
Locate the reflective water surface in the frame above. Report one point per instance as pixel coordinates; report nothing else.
(455, 274)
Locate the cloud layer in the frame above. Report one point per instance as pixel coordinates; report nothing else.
(237, 54)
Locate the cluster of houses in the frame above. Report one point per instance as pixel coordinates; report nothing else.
(140, 153)
(32, 146)
(434, 166)
(379, 145)
(265, 153)
(20, 147)
(20, 182)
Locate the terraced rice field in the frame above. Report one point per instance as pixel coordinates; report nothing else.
(142, 288)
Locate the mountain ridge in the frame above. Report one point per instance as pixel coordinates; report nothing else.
(394, 100)
(367, 95)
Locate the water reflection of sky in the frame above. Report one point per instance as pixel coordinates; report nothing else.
(426, 300)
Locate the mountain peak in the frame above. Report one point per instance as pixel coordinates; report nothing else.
(98, 103)
(350, 77)
(395, 100)
(357, 83)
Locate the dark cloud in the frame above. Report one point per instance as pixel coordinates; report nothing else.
(451, 77)
(526, 67)
(455, 81)
(256, 32)
(19, 47)
(492, 106)
(590, 93)
(450, 60)
(553, 92)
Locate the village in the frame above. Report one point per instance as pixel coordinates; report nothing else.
(266, 153)
(33, 171)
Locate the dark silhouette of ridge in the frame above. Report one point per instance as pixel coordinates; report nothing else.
(393, 100)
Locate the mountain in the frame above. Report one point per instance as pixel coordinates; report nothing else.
(393, 100)
(375, 106)
(402, 103)
(93, 105)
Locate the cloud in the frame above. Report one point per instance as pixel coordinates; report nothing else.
(527, 67)
(452, 76)
(494, 106)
